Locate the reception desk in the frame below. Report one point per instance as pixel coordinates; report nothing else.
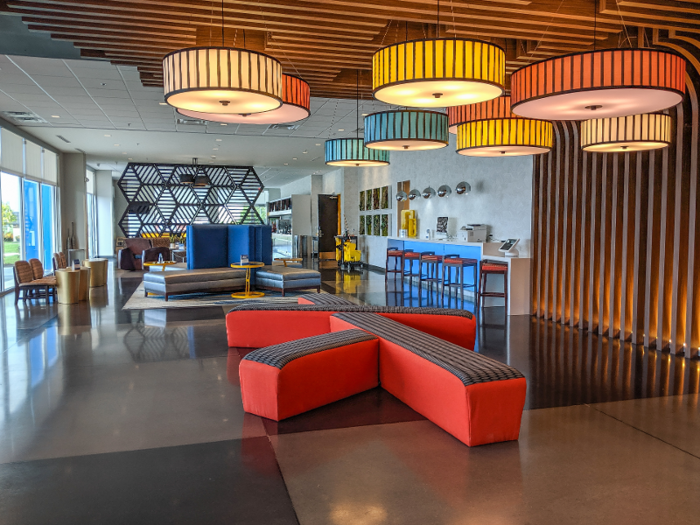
(519, 293)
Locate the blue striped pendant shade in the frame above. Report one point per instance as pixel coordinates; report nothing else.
(352, 152)
(406, 130)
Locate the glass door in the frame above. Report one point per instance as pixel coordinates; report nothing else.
(48, 204)
(11, 226)
(32, 220)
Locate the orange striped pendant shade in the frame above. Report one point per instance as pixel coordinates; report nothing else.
(490, 129)
(438, 73)
(296, 101)
(600, 84)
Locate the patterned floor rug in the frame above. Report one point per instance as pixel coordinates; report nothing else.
(138, 302)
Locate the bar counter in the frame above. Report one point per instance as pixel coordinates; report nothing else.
(519, 299)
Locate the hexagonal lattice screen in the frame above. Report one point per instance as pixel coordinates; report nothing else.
(157, 203)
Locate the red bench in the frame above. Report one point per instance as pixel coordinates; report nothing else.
(257, 326)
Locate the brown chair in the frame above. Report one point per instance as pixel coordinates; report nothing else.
(59, 261)
(30, 288)
(130, 257)
(151, 255)
(397, 256)
(37, 268)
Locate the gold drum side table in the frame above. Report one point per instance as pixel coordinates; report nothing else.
(98, 271)
(68, 286)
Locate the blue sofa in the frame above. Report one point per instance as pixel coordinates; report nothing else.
(220, 245)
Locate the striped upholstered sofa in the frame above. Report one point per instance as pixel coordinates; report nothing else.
(325, 352)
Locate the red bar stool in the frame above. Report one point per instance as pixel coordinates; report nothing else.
(493, 267)
(458, 263)
(409, 257)
(431, 275)
(397, 256)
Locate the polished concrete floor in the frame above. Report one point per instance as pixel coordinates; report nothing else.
(111, 416)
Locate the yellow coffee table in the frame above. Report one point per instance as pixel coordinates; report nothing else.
(247, 294)
(161, 264)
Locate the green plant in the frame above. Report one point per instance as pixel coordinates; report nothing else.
(8, 218)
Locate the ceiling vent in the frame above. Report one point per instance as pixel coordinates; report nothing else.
(285, 126)
(191, 122)
(24, 117)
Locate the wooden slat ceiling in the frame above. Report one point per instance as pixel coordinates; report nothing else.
(326, 41)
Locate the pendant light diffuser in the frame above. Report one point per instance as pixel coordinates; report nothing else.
(626, 134)
(296, 101)
(490, 129)
(438, 73)
(406, 130)
(600, 84)
(222, 80)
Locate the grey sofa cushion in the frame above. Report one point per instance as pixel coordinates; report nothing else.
(286, 273)
(285, 285)
(193, 276)
(283, 354)
(470, 367)
(224, 284)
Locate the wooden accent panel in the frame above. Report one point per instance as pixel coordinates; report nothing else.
(615, 236)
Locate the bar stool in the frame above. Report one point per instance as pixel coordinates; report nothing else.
(409, 256)
(459, 264)
(397, 255)
(431, 275)
(493, 267)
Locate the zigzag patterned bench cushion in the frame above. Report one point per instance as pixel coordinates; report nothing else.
(282, 354)
(323, 299)
(471, 368)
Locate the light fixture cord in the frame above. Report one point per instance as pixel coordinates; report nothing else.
(595, 24)
(357, 106)
(624, 26)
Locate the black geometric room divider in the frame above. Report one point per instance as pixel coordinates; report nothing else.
(157, 203)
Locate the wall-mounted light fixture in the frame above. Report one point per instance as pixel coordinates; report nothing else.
(413, 195)
(444, 191)
(463, 188)
(401, 196)
(428, 192)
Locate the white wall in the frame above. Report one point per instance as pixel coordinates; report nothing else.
(501, 194)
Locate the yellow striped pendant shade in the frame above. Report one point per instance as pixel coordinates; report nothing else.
(437, 73)
(490, 129)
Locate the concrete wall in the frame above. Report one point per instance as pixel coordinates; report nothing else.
(73, 202)
(105, 215)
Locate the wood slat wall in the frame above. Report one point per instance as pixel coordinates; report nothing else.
(615, 239)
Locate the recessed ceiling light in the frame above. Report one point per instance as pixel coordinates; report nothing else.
(162, 103)
(365, 114)
(318, 144)
(55, 116)
(116, 145)
(216, 149)
(304, 152)
(286, 163)
(213, 156)
(294, 158)
(108, 135)
(130, 158)
(224, 124)
(341, 129)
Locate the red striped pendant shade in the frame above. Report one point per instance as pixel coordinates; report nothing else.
(296, 101)
(599, 84)
(490, 129)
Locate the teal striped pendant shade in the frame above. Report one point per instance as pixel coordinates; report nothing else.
(406, 130)
(352, 152)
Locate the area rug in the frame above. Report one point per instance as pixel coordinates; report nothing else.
(138, 302)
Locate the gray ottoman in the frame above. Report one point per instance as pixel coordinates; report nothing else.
(193, 281)
(285, 278)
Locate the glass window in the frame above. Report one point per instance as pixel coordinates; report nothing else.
(32, 221)
(48, 195)
(92, 226)
(11, 228)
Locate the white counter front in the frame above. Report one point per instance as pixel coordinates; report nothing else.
(519, 287)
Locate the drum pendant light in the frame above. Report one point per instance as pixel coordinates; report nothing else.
(599, 84)
(408, 130)
(626, 134)
(222, 79)
(353, 152)
(490, 129)
(438, 72)
(296, 101)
